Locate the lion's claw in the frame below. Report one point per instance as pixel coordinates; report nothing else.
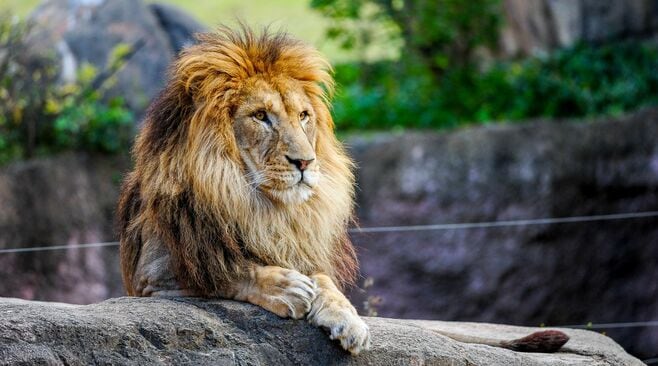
(298, 294)
(286, 293)
(343, 325)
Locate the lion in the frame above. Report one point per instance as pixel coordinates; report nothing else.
(240, 189)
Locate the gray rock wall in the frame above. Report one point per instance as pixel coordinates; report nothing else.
(64, 200)
(574, 273)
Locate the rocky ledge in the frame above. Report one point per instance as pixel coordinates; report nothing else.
(142, 331)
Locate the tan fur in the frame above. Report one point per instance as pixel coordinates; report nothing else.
(217, 204)
(333, 311)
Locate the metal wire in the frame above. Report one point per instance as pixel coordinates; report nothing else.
(651, 323)
(456, 226)
(386, 229)
(476, 225)
(59, 247)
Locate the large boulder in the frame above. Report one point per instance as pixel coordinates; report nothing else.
(87, 31)
(537, 26)
(145, 331)
(600, 271)
(179, 26)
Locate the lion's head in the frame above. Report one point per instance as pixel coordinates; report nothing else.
(243, 130)
(260, 101)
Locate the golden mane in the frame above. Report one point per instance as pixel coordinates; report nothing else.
(189, 190)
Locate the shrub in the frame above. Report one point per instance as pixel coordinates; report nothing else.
(577, 82)
(39, 115)
(438, 35)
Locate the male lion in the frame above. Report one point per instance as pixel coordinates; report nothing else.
(240, 189)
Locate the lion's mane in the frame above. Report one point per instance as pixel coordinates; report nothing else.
(188, 188)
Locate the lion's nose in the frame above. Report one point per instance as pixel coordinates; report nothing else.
(301, 164)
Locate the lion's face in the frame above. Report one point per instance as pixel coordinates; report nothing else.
(275, 129)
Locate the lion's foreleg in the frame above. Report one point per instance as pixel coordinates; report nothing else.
(285, 292)
(153, 275)
(333, 311)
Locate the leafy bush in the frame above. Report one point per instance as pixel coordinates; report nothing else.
(439, 81)
(584, 81)
(438, 35)
(83, 121)
(576, 82)
(40, 115)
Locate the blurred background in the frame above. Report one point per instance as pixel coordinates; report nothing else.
(457, 112)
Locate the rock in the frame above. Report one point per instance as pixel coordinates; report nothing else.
(537, 26)
(558, 274)
(64, 200)
(83, 31)
(143, 331)
(179, 26)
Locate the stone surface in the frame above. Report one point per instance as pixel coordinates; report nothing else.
(179, 26)
(82, 31)
(62, 200)
(537, 26)
(558, 274)
(144, 331)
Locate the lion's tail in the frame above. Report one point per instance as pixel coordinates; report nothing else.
(545, 341)
(129, 235)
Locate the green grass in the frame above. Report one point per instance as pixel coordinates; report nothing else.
(19, 7)
(294, 16)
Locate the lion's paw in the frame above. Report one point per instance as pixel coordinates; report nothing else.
(343, 324)
(287, 293)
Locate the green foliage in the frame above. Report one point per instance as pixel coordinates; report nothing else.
(39, 115)
(576, 82)
(438, 82)
(93, 125)
(438, 35)
(584, 81)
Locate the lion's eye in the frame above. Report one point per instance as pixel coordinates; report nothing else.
(303, 115)
(261, 116)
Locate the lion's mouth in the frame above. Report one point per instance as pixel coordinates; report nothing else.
(303, 181)
(289, 188)
(298, 193)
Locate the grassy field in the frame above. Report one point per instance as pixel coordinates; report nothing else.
(294, 16)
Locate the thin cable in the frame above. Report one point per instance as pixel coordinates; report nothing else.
(474, 225)
(651, 323)
(58, 247)
(382, 229)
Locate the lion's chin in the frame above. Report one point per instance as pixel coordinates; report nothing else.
(294, 195)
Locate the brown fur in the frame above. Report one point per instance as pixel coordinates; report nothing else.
(547, 341)
(190, 189)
